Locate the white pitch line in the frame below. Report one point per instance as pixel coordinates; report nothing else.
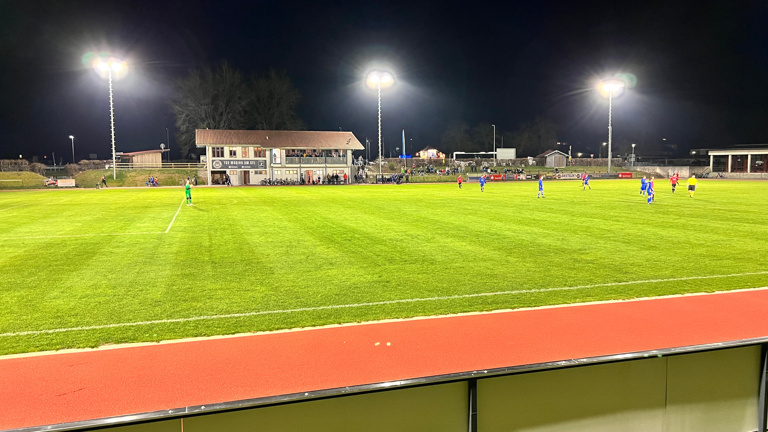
(8, 208)
(174, 216)
(378, 303)
(77, 235)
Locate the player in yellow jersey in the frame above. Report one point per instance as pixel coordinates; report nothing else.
(692, 185)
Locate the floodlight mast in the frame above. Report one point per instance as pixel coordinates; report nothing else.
(108, 67)
(379, 78)
(611, 87)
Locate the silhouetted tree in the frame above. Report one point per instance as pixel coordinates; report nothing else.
(222, 99)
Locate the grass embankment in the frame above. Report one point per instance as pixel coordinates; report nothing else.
(21, 180)
(82, 268)
(137, 177)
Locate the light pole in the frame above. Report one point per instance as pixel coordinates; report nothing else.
(611, 87)
(72, 137)
(633, 155)
(494, 144)
(601, 149)
(377, 80)
(109, 66)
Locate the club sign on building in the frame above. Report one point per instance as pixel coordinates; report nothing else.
(250, 156)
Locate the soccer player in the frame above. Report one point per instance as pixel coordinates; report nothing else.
(652, 186)
(482, 183)
(541, 187)
(673, 180)
(188, 190)
(459, 180)
(643, 185)
(104, 181)
(650, 192)
(585, 182)
(692, 185)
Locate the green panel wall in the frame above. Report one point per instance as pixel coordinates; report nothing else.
(713, 391)
(626, 396)
(439, 408)
(159, 426)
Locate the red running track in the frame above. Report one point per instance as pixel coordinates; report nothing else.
(78, 386)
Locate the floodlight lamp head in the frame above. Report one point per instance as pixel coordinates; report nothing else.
(71, 137)
(379, 78)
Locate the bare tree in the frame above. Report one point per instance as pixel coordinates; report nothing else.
(273, 103)
(223, 99)
(456, 138)
(209, 99)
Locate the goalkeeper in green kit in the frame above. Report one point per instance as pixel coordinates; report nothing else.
(188, 189)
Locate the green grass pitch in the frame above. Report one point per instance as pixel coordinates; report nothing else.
(83, 268)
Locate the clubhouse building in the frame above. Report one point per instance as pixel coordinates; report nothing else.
(250, 156)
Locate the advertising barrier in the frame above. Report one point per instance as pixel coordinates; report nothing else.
(625, 175)
(65, 183)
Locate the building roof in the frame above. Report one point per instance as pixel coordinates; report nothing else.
(429, 148)
(278, 139)
(143, 152)
(549, 152)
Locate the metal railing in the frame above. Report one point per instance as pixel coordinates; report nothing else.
(320, 160)
(165, 165)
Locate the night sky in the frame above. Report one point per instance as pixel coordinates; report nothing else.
(701, 68)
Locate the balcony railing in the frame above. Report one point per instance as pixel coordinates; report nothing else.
(316, 160)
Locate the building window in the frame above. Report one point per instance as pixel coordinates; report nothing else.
(233, 152)
(277, 172)
(218, 152)
(276, 156)
(291, 172)
(245, 152)
(259, 172)
(233, 173)
(259, 152)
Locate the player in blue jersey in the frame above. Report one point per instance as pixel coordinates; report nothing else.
(482, 183)
(585, 182)
(650, 191)
(643, 185)
(541, 187)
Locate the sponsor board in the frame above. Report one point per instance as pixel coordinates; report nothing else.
(65, 183)
(239, 164)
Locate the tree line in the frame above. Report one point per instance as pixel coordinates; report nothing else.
(223, 98)
(530, 139)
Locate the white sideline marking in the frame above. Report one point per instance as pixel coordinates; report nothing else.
(8, 208)
(78, 235)
(378, 303)
(94, 235)
(174, 216)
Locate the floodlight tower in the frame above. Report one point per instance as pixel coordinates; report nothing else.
(378, 79)
(72, 137)
(611, 87)
(110, 66)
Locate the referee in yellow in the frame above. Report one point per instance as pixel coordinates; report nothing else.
(692, 185)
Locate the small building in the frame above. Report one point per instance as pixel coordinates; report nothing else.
(739, 160)
(430, 153)
(554, 158)
(146, 158)
(250, 156)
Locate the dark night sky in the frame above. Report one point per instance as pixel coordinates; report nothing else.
(701, 67)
